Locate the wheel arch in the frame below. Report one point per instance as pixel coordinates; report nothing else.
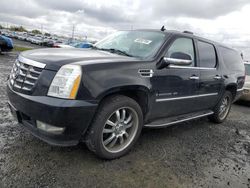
(140, 94)
(232, 88)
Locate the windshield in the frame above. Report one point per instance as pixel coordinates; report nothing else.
(133, 43)
(247, 69)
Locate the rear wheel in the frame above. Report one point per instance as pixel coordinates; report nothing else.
(115, 128)
(223, 108)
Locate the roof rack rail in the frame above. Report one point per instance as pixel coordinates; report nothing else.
(188, 32)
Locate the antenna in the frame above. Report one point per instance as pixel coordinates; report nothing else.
(163, 28)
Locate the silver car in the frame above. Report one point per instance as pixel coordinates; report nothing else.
(246, 92)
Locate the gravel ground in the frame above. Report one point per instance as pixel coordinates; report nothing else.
(193, 154)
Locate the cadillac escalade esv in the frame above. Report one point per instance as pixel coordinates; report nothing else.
(104, 96)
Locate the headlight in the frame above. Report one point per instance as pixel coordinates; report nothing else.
(66, 82)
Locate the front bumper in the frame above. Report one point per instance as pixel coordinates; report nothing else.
(74, 115)
(239, 93)
(245, 94)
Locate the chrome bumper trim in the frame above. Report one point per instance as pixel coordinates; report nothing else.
(31, 62)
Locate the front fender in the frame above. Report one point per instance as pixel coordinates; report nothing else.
(109, 78)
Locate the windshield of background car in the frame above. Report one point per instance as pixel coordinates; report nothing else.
(247, 69)
(134, 43)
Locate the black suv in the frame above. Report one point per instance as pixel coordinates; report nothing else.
(104, 96)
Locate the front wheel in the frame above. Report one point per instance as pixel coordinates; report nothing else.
(115, 128)
(222, 110)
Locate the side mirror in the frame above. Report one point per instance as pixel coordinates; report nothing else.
(176, 58)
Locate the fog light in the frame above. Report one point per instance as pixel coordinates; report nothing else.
(49, 128)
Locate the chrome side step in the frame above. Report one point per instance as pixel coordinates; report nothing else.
(165, 122)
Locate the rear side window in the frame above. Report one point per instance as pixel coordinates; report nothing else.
(247, 66)
(231, 58)
(207, 55)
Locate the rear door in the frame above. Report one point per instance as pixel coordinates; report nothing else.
(211, 82)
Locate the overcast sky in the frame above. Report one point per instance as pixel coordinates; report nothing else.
(225, 21)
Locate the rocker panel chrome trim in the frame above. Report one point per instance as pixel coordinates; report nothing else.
(186, 97)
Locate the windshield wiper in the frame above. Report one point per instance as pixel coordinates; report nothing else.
(94, 47)
(112, 50)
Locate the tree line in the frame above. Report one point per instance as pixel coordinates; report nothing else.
(23, 29)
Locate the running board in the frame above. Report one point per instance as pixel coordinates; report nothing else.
(165, 122)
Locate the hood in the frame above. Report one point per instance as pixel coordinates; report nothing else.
(54, 58)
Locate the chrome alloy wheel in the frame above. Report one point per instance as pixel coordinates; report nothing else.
(224, 108)
(120, 129)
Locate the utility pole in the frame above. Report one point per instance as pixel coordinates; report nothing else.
(42, 29)
(73, 32)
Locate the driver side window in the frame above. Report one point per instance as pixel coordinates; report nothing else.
(184, 45)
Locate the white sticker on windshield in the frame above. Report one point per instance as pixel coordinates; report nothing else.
(143, 41)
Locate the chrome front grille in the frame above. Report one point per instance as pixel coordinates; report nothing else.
(24, 75)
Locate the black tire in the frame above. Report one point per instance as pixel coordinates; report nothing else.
(94, 137)
(217, 117)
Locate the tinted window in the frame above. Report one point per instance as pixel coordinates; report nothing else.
(232, 59)
(207, 55)
(184, 45)
(247, 66)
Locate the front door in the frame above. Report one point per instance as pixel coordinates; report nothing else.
(176, 86)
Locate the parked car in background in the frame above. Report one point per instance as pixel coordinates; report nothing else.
(21, 35)
(9, 34)
(57, 44)
(83, 45)
(30, 37)
(75, 45)
(37, 40)
(105, 95)
(62, 45)
(49, 43)
(246, 91)
(6, 44)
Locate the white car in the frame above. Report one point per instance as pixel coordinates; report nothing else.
(246, 91)
(37, 40)
(64, 46)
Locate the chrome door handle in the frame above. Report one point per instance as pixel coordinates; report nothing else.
(217, 77)
(194, 78)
